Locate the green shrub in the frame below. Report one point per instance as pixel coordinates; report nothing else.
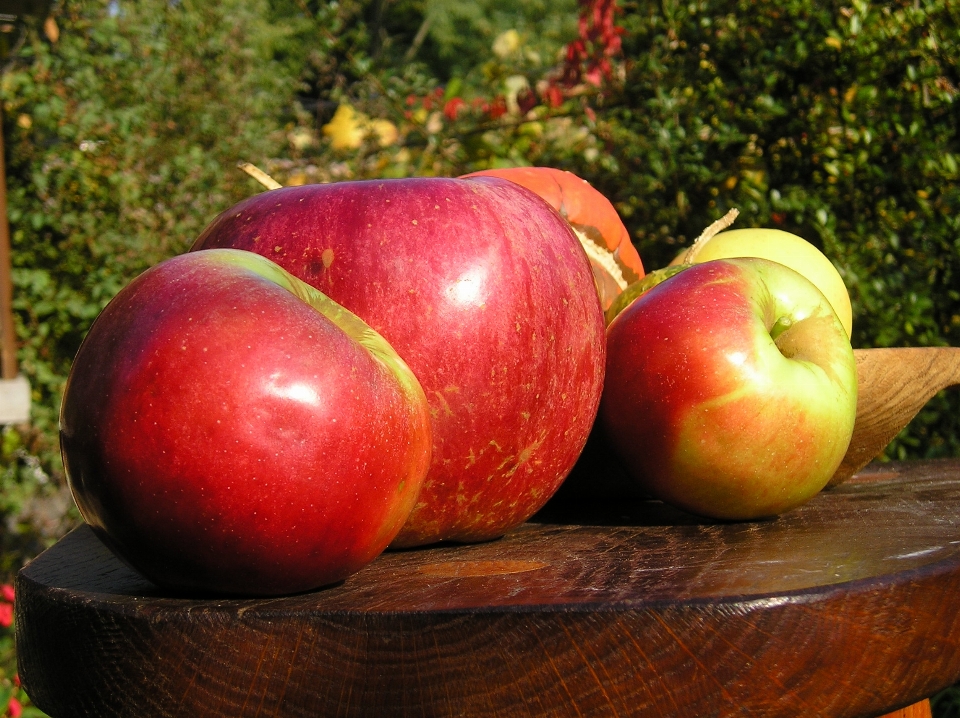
(122, 142)
(123, 139)
(836, 121)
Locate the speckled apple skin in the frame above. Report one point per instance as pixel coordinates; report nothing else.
(222, 435)
(486, 293)
(705, 410)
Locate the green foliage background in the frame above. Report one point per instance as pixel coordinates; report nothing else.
(834, 120)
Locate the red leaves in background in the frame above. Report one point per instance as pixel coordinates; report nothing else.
(587, 60)
(526, 101)
(588, 57)
(14, 708)
(6, 605)
(452, 108)
(497, 107)
(553, 96)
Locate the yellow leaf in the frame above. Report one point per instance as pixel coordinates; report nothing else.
(301, 138)
(506, 43)
(385, 131)
(835, 42)
(51, 30)
(345, 129)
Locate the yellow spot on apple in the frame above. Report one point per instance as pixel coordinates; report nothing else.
(327, 257)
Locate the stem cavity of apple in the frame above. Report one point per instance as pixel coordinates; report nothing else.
(780, 326)
(802, 341)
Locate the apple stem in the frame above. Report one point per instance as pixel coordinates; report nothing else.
(259, 175)
(707, 234)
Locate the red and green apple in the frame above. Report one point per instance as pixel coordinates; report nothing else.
(227, 428)
(731, 389)
(488, 296)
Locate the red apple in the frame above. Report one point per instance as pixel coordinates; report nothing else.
(486, 293)
(227, 428)
(731, 389)
(613, 257)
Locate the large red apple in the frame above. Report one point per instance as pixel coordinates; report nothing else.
(731, 389)
(486, 293)
(592, 217)
(227, 428)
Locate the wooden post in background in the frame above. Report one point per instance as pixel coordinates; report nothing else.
(8, 339)
(14, 388)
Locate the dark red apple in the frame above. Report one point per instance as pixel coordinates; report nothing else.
(486, 293)
(227, 428)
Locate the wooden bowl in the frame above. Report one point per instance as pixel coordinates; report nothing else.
(894, 384)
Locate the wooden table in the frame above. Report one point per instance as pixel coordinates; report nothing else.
(848, 606)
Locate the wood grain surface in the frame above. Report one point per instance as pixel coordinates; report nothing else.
(917, 710)
(847, 606)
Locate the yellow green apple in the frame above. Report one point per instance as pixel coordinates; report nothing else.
(785, 248)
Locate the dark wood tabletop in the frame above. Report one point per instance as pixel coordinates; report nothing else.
(847, 606)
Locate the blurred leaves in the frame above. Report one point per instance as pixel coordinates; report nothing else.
(116, 157)
(121, 141)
